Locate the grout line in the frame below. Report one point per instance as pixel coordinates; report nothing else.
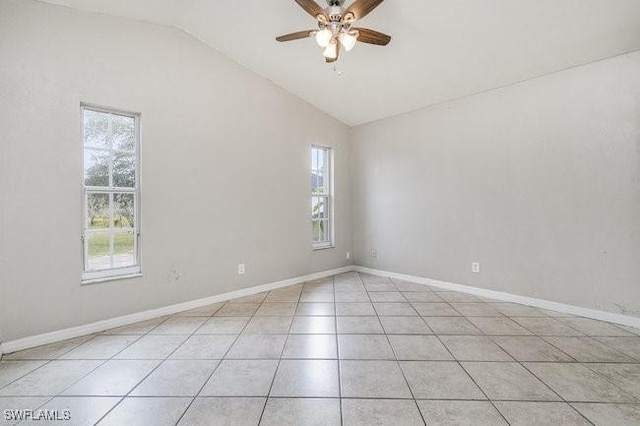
(453, 357)
(590, 367)
(493, 339)
(223, 356)
(335, 311)
(559, 396)
(481, 389)
(476, 384)
(570, 404)
(636, 359)
(399, 364)
(515, 360)
(521, 365)
(47, 361)
(104, 361)
(397, 361)
(341, 316)
(275, 373)
(545, 338)
(148, 333)
(368, 359)
(569, 401)
(96, 368)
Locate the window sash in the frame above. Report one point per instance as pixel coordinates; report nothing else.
(114, 264)
(321, 197)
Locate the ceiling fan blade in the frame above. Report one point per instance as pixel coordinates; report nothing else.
(311, 7)
(295, 36)
(361, 8)
(372, 37)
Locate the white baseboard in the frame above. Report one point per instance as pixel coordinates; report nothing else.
(508, 297)
(95, 327)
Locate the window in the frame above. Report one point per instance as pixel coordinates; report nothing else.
(111, 211)
(321, 197)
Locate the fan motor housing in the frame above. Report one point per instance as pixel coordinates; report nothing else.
(335, 13)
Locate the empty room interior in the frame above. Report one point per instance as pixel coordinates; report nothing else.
(320, 212)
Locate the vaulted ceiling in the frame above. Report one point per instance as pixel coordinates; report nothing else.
(441, 49)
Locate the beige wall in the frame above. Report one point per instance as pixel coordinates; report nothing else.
(539, 182)
(225, 168)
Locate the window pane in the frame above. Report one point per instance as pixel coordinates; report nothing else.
(97, 211)
(314, 159)
(318, 207)
(321, 231)
(124, 249)
(123, 211)
(317, 231)
(96, 167)
(317, 182)
(99, 250)
(325, 230)
(321, 159)
(124, 170)
(96, 128)
(123, 132)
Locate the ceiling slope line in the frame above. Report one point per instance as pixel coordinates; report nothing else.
(184, 31)
(493, 89)
(261, 76)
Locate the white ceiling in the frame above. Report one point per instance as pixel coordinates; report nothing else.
(441, 49)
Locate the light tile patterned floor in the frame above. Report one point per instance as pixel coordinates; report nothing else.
(353, 349)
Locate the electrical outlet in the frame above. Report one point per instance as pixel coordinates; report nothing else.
(475, 267)
(241, 269)
(374, 253)
(348, 255)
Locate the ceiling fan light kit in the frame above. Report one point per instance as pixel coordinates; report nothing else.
(323, 37)
(335, 26)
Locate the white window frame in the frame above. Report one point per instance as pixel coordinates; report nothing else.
(328, 197)
(113, 273)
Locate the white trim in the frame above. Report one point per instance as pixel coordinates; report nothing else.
(508, 297)
(323, 247)
(95, 327)
(328, 195)
(137, 274)
(97, 276)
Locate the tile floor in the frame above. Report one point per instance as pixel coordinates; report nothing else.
(353, 349)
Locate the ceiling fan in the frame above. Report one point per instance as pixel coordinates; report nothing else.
(336, 29)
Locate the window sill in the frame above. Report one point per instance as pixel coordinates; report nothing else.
(97, 280)
(323, 247)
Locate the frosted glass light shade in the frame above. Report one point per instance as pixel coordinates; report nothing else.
(348, 40)
(331, 52)
(323, 37)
